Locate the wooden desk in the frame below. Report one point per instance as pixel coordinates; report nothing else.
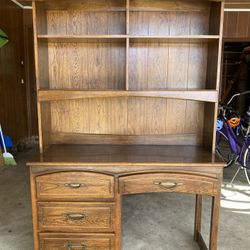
(77, 190)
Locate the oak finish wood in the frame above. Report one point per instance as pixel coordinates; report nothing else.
(127, 155)
(127, 101)
(75, 217)
(196, 95)
(77, 241)
(236, 26)
(121, 171)
(129, 49)
(198, 216)
(107, 139)
(74, 186)
(155, 183)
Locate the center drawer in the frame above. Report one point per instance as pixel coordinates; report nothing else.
(76, 241)
(74, 186)
(75, 217)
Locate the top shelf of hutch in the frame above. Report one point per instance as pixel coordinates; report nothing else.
(123, 5)
(135, 17)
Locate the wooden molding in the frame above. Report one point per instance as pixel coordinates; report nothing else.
(197, 95)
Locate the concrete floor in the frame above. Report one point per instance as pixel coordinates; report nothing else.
(158, 221)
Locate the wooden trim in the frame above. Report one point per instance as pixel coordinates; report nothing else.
(175, 39)
(127, 16)
(247, 9)
(197, 95)
(219, 68)
(82, 38)
(236, 39)
(127, 64)
(173, 139)
(40, 133)
(119, 38)
(214, 127)
(34, 210)
(220, 47)
(127, 44)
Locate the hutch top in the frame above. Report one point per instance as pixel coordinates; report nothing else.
(125, 72)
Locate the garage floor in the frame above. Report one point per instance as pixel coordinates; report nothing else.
(158, 221)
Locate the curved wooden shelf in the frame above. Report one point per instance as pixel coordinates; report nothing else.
(197, 95)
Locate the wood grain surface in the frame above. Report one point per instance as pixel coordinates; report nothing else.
(75, 217)
(76, 241)
(126, 154)
(74, 186)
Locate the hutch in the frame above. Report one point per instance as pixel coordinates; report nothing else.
(127, 104)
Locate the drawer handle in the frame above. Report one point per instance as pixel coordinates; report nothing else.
(75, 216)
(167, 184)
(74, 185)
(70, 246)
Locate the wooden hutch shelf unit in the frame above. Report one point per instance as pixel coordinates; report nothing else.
(127, 104)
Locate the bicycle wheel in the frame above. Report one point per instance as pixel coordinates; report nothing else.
(223, 149)
(247, 164)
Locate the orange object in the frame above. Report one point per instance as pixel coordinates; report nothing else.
(234, 122)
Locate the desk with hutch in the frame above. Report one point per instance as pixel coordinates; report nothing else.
(127, 104)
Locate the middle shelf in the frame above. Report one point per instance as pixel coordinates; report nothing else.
(120, 63)
(66, 94)
(133, 38)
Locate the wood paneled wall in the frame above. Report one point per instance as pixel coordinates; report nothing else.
(30, 77)
(13, 92)
(237, 25)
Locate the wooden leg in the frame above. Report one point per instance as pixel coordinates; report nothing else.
(214, 222)
(198, 213)
(117, 219)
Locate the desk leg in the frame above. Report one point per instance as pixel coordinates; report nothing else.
(198, 213)
(214, 222)
(118, 218)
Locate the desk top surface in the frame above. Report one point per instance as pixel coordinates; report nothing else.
(126, 155)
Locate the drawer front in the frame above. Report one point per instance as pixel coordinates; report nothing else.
(74, 185)
(76, 242)
(167, 182)
(75, 217)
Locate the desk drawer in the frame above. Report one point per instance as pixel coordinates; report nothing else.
(74, 186)
(75, 217)
(76, 241)
(167, 182)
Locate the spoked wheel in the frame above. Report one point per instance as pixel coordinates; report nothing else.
(223, 150)
(247, 164)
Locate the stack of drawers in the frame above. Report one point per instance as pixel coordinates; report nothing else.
(75, 210)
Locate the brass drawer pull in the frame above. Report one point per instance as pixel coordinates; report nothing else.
(75, 216)
(74, 185)
(167, 184)
(70, 246)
